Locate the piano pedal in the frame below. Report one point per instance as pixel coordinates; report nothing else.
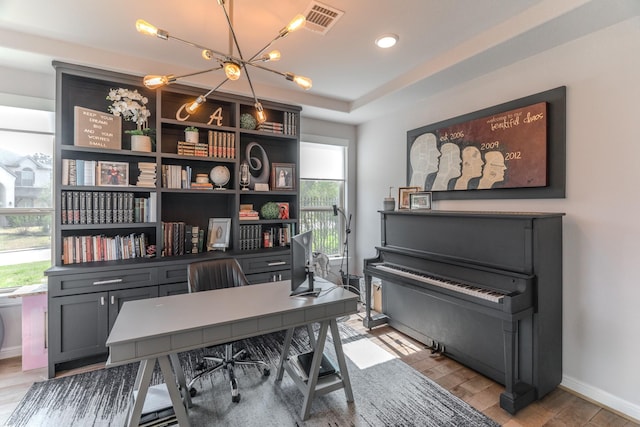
(437, 349)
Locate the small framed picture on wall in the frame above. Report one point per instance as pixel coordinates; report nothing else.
(420, 200)
(404, 202)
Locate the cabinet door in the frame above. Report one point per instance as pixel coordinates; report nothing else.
(117, 298)
(173, 289)
(78, 326)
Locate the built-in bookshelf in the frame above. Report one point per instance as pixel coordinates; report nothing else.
(160, 186)
(128, 223)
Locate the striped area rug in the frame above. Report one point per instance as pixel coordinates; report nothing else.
(387, 392)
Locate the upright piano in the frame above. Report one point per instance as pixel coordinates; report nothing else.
(484, 288)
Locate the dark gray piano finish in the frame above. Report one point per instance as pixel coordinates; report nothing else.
(518, 342)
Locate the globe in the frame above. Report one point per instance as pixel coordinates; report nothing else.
(220, 176)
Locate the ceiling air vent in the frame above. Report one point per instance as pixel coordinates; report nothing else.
(321, 17)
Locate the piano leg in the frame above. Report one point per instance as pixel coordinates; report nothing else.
(371, 321)
(517, 394)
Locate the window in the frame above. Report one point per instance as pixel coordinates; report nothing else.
(322, 185)
(26, 206)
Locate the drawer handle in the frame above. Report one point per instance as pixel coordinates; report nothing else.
(106, 282)
(271, 264)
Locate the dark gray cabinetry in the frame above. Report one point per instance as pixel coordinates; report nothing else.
(85, 291)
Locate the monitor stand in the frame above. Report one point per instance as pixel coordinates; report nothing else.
(306, 291)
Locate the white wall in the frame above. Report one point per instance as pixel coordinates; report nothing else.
(601, 228)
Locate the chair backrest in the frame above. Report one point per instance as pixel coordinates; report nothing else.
(215, 274)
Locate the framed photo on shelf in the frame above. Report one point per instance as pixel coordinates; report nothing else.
(420, 200)
(404, 202)
(115, 174)
(283, 176)
(218, 234)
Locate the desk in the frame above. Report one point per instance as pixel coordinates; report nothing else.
(155, 330)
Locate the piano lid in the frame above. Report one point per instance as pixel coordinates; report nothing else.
(502, 240)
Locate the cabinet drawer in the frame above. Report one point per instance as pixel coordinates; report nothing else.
(172, 273)
(271, 276)
(260, 264)
(80, 283)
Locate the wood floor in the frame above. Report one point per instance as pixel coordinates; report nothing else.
(559, 408)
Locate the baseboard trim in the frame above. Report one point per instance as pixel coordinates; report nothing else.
(9, 352)
(602, 398)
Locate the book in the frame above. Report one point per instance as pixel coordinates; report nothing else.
(305, 359)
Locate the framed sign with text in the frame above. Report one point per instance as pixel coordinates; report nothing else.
(513, 150)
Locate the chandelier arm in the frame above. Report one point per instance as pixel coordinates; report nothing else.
(199, 72)
(262, 67)
(200, 47)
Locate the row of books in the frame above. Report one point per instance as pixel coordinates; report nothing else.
(176, 176)
(276, 236)
(254, 236)
(288, 127)
(180, 238)
(80, 249)
(222, 144)
(105, 207)
(79, 172)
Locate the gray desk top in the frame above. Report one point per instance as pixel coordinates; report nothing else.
(164, 325)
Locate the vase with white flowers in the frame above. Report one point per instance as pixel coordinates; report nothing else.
(131, 106)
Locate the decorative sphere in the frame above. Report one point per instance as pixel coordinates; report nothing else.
(247, 121)
(220, 175)
(270, 210)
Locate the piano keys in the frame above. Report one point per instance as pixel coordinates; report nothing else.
(486, 288)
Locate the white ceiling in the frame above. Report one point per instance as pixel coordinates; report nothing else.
(442, 42)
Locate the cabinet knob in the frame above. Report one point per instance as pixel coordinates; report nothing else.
(113, 299)
(101, 300)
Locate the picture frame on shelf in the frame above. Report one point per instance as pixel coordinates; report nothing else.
(420, 200)
(404, 202)
(218, 234)
(113, 174)
(283, 176)
(283, 210)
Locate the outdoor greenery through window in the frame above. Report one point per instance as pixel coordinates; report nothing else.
(26, 207)
(322, 185)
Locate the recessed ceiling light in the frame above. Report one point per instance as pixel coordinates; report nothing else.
(386, 41)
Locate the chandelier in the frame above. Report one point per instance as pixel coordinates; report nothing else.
(231, 64)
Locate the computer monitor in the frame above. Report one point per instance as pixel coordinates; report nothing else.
(302, 265)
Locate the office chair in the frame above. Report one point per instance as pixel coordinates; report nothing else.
(217, 274)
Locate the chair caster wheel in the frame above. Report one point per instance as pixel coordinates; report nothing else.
(193, 392)
(236, 398)
(266, 372)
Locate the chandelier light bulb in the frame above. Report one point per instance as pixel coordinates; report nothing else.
(232, 70)
(207, 54)
(145, 28)
(261, 116)
(296, 23)
(304, 82)
(274, 55)
(193, 107)
(154, 82)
